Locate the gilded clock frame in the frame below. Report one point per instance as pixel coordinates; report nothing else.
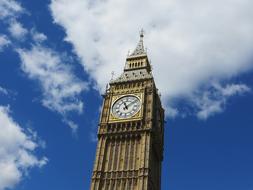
(137, 116)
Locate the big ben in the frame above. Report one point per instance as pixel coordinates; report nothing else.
(131, 129)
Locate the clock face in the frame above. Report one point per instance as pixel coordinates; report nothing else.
(126, 106)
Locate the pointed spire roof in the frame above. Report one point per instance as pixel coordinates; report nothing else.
(137, 66)
(139, 50)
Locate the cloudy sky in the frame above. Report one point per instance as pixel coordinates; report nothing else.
(58, 55)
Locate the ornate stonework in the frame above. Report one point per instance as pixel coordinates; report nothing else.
(130, 142)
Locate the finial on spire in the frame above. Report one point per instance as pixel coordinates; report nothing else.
(142, 33)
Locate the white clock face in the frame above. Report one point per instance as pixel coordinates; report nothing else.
(126, 106)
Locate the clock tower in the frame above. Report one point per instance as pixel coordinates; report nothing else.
(131, 130)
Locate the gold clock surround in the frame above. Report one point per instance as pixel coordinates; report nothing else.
(136, 116)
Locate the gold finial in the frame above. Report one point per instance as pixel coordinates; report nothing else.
(142, 33)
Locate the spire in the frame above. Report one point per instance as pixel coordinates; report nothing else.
(139, 50)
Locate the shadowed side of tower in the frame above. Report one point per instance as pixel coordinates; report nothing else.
(131, 130)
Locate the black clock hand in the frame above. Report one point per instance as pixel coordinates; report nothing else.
(125, 106)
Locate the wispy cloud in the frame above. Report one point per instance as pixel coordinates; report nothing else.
(3, 91)
(10, 8)
(190, 42)
(60, 87)
(71, 124)
(17, 30)
(214, 100)
(37, 36)
(4, 41)
(17, 152)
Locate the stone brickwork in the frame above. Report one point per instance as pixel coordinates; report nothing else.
(130, 151)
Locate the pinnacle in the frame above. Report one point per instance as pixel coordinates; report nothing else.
(139, 50)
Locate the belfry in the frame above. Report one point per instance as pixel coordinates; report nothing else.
(131, 130)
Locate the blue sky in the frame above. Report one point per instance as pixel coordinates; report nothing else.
(57, 56)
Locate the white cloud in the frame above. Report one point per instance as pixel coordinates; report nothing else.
(9, 8)
(4, 41)
(17, 30)
(17, 149)
(190, 42)
(61, 88)
(232, 89)
(212, 101)
(37, 36)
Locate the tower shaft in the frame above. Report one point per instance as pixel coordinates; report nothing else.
(131, 130)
